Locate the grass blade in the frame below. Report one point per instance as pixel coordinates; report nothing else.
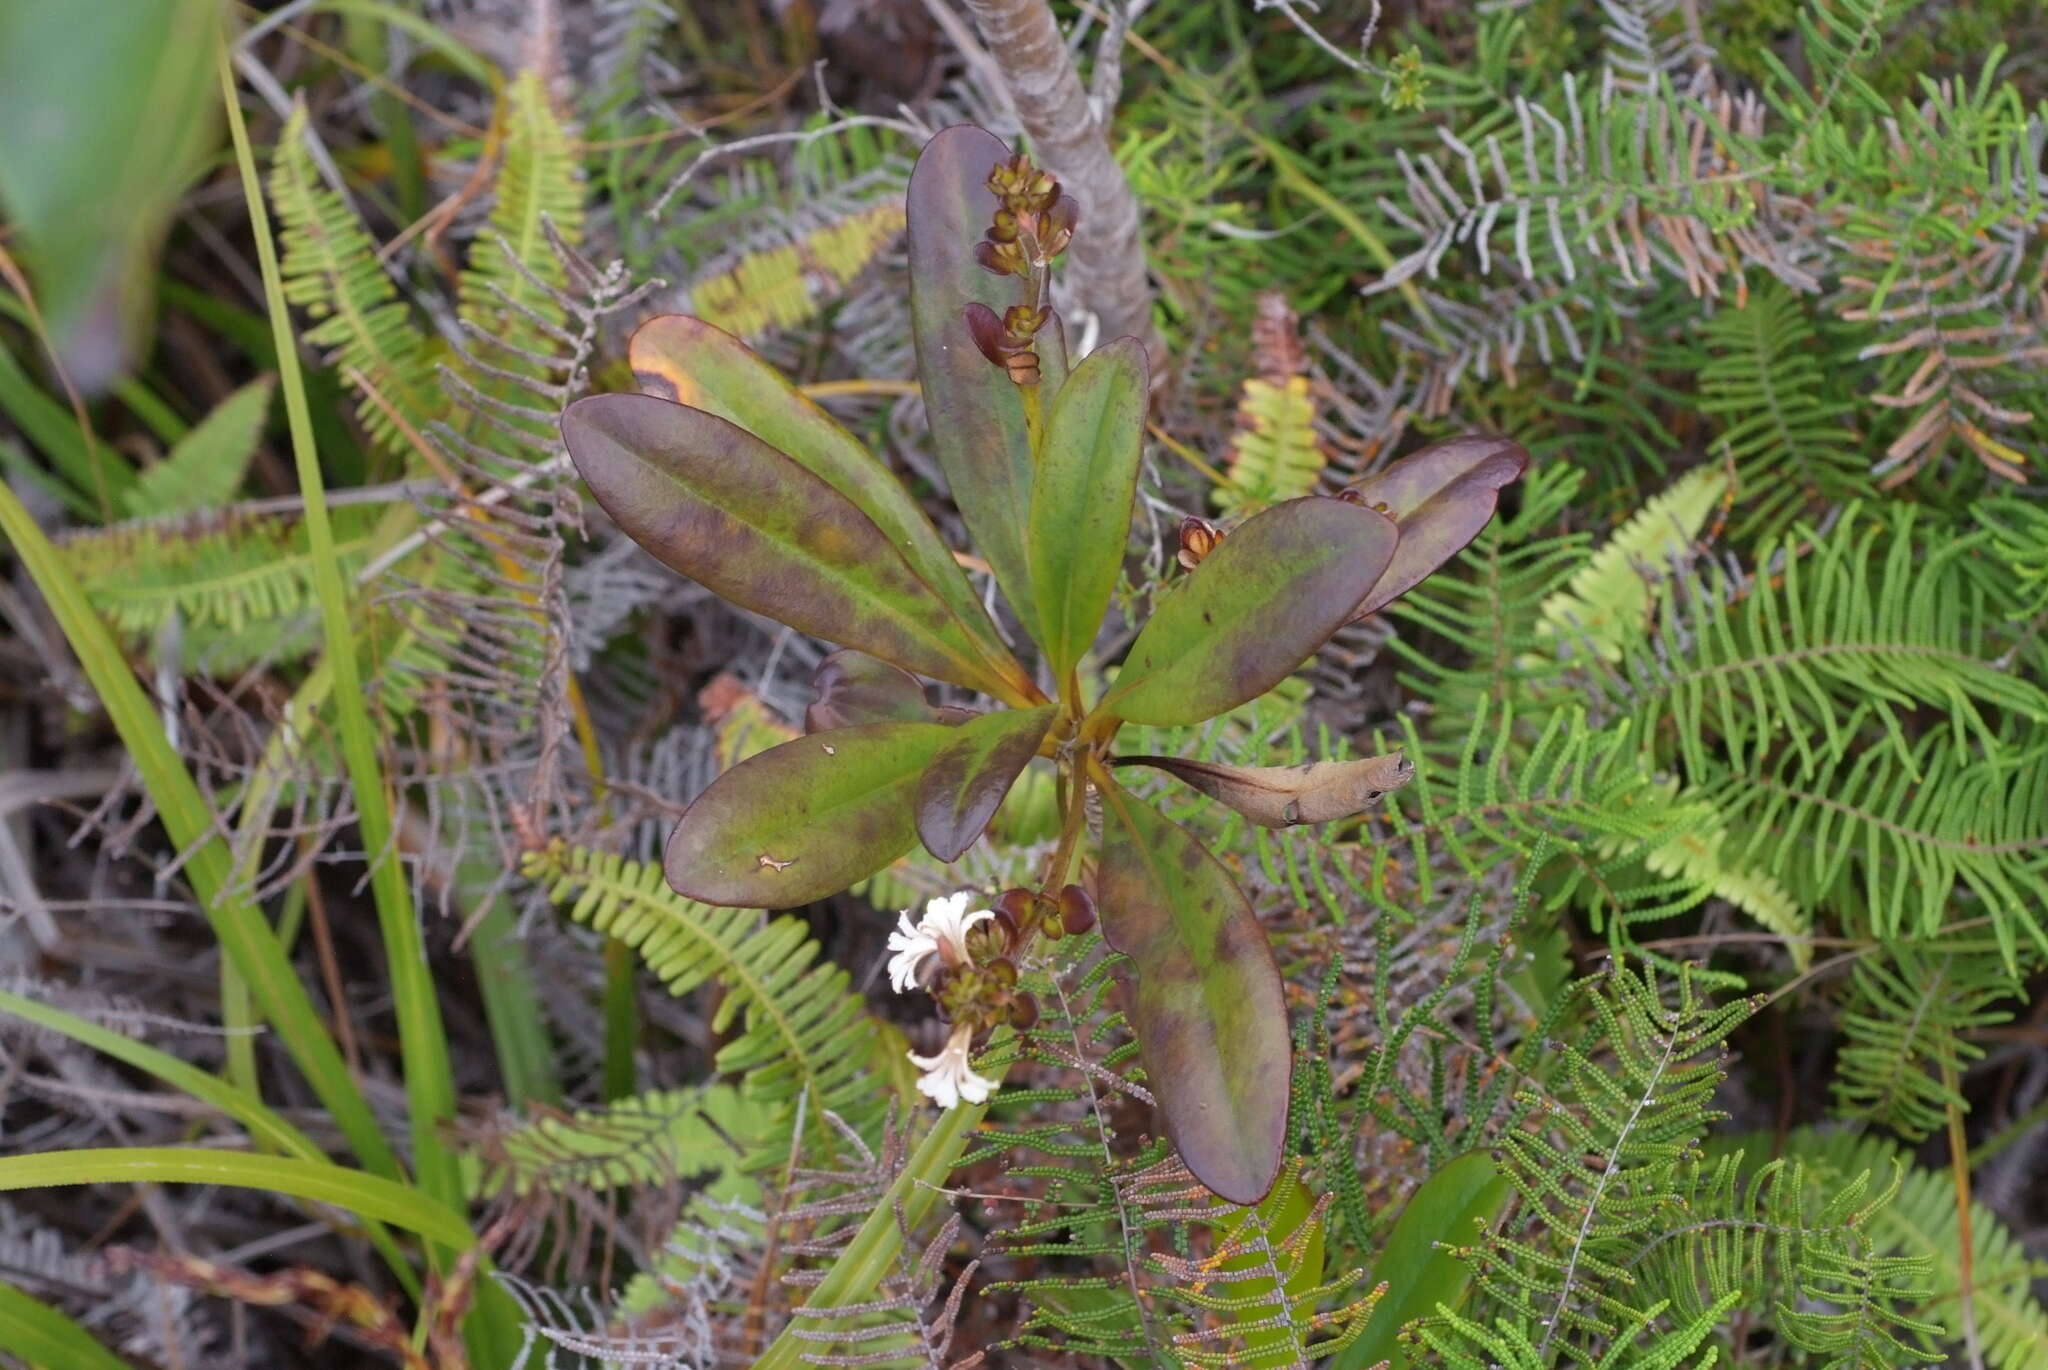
(429, 1083)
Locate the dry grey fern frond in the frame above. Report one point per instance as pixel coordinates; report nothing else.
(1619, 187)
(134, 1314)
(492, 609)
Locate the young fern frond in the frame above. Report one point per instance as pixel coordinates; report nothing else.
(1274, 452)
(506, 296)
(1608, 601)
(802, 1029)
(206, 466)
(784, 285)
(331, 271)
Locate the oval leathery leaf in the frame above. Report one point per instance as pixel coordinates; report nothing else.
(853, 688)
(711, 500)
(1282, 796)
(1081, 493)
(977, 413)
(803, 820)
(1254, 610)
(1439, 499)
(967, 780)
(1209, 1014)
(1418, 1260)
(679, 358)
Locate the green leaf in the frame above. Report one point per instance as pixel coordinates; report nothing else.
(690, 362)
(366, 1196)
(107, 120)
(1081, 493)
(977, 414)
(1439, 499)
(1254, 610)
(40, 1335)
(1210, 1017)
(711, 500)
(206, 467)
(1417, 1261)
(971, 773)
(805, 819)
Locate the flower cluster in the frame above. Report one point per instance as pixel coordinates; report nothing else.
(962, 958)
(1033, 222)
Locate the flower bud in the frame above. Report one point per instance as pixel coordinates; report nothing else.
(1023, 1012)
(1077, 909)
(1198, 538)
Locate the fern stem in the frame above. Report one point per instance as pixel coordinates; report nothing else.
(1966, 1246)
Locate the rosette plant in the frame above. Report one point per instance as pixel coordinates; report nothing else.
(723, 470)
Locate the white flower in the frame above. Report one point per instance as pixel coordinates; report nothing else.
(942, 931)
(948, 1078)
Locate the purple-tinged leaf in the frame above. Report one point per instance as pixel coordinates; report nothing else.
(1282, 796)
(966, 781)
(687, 360)
(1081, 494)
(1439, 498)
(1208, 1010)
(853, 688)
(976, 411)
(804, 820)
(711, 500)
(1258, 606)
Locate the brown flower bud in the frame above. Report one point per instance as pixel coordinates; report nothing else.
(1198, 538)
(1023, 1012)
(1077, 909)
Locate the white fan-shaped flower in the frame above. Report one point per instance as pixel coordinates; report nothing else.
(948, 1078)
(941, 932)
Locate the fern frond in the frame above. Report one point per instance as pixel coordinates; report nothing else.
(241, 586)
(643, 1142)
(1608, 601)
(1785, 426)
(1894, 839)
(1575, 802)
(1635, 186)
(783, 285)
(506, 290)
(1905, 1021)
(331, 270)
(1858, 629)
(1923, 1222)
(206, 467)
(802, 1028)
(1274, 452)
